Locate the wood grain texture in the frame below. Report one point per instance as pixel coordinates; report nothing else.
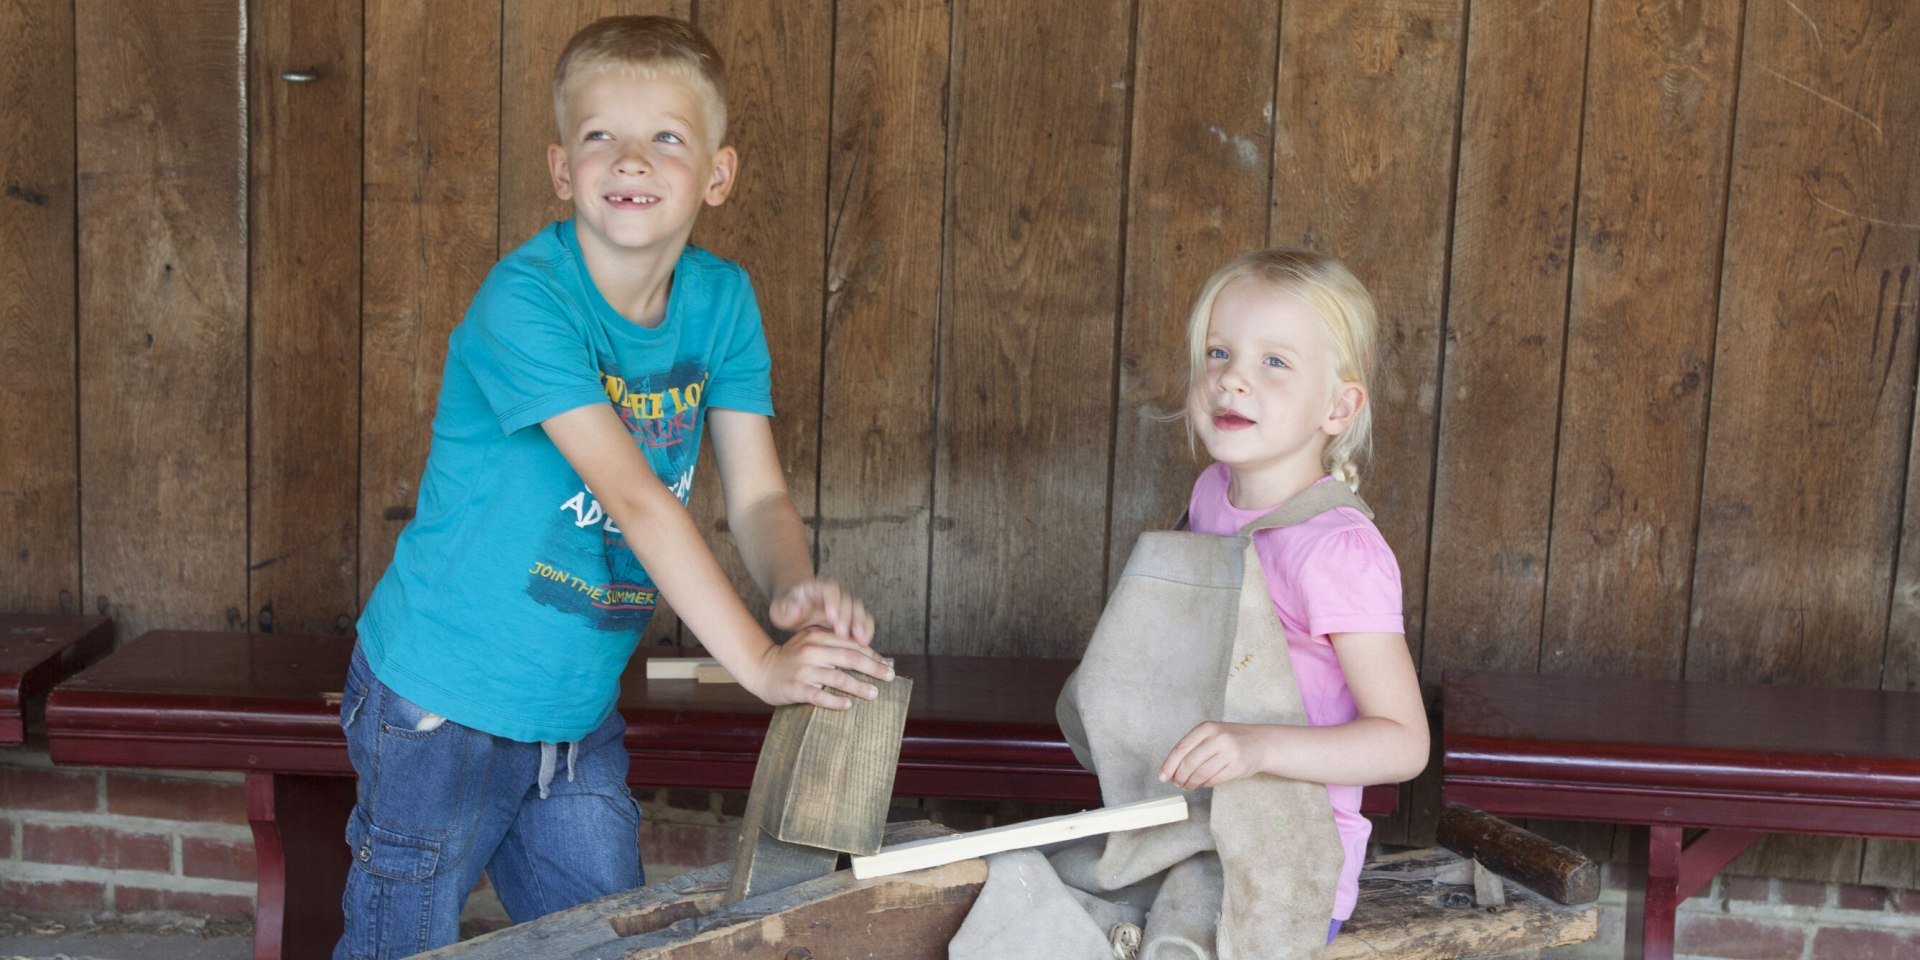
(1506, 316)
(533, 32)
(39, 475)
(779, 61)
(1199, 177)
(162, 272)
(431, 215)
(1813, 375)
(304, 290)
(1413, 920)
(1653, 177)
(1363, 169)
(886, 194)
(1038, 113)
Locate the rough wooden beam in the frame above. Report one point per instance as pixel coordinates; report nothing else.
(1553, 870)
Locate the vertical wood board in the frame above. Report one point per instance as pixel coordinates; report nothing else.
(161, 117)
(1199, 178)
(1506, 317)
(779, 62)
(886, 197)
(39, 474)
(1038, 127)
(1813, 386)
(1640, 337)
(431, 214)
(304, 285)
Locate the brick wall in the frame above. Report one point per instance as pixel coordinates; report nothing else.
(1756, 918)
(77, 840)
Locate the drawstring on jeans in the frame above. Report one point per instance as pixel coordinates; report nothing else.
(550, 758)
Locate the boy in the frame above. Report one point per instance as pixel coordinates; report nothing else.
(479, 707)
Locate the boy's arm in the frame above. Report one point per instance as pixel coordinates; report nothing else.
(663, 536)
(767, 529)
(1386, 742)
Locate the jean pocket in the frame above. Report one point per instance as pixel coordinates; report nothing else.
(387, 853)
(408, 720)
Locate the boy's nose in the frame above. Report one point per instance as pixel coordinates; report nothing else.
(633, 161)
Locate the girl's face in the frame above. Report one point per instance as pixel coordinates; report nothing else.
(1271, 397)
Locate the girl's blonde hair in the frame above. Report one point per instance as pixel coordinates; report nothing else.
(1346, 312)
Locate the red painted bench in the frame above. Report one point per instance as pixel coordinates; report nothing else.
(978, 728)
(37, 652)
(1736, 760)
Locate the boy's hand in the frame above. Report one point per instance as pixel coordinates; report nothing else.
(1213, 753)
(823, 602)
(810, 668)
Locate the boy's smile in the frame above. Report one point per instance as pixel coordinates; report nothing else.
(638, 162)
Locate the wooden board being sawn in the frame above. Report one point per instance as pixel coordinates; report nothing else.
(821, 788)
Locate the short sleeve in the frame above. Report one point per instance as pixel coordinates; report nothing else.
(530, 361)
(1349, 582)
(743, 380)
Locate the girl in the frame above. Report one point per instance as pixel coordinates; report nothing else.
(1277, 392)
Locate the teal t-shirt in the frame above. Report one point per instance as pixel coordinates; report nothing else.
(513, 601)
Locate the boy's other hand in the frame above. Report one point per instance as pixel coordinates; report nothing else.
(823, 602)
(811, 668)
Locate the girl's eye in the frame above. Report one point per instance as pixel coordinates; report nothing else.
(1275, 362)
(669, 138)
(599, 135)
(1216, 353)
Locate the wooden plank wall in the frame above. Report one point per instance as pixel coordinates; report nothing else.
(1648, 273)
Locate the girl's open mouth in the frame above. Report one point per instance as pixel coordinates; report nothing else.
(1229, 420)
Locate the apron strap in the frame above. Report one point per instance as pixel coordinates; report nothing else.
(1307, 504)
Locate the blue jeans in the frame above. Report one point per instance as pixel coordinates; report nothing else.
(437, 806)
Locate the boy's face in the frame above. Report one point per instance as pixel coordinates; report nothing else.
(638, 162)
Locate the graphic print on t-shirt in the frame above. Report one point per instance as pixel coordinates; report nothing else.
(586, 567)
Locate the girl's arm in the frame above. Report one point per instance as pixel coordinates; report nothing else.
(1385, 743)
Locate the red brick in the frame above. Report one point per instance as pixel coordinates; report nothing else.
(197, 800)
(131, 899)
(96, 847)
(733, 803)
(6, 839)
(1907, 901)
(27, 788)
(1855, 897)
(1738, 938)
(219, 859)
(684, 844)
(1803, 893)
(698, 800)
(1856, 943)
(63, 896)
(1753, 889)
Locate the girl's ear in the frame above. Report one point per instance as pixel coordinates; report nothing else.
(1348, 401)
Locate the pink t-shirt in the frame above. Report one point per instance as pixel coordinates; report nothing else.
(1331, 574)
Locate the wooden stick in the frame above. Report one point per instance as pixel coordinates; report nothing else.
(677, 668)
(933, 853)
(1547, 867)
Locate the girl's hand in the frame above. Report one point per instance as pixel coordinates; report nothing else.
(810, 668)
(1214, 753)
(823, 602)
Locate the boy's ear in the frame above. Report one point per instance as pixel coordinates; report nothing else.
(562, 177)
(1347, 403)
(726, 165)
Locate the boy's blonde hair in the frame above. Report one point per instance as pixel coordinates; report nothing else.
(1347, 314)
(645, 47)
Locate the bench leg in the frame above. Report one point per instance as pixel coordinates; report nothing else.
(1666, 872)
(299, 831)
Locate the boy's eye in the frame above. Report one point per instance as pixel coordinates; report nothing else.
(1272, 361)
(599, 135)
(670, 138)
(1216, 353)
